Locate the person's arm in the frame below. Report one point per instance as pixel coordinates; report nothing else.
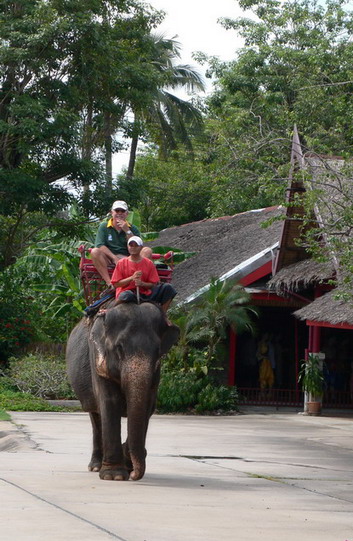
(123, 282)
(128, 229)
(135, 230)
(150, 275)
(141, 283)
(100, 235)
(100, 243)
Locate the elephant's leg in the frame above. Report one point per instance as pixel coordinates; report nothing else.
(127, 458)
(137, 431)
(97, 453)
(140, 406)
(113, 464)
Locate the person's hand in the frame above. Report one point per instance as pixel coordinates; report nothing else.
(137, 277)
(122, 223)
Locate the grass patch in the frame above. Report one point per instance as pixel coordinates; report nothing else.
(4, 416)
(17, 401)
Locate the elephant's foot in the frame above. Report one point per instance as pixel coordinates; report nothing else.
(113, 472)
(136, 475)
(94, 466)
(95, 463)
(139, 466)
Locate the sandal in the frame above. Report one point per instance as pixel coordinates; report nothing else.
(110, 289)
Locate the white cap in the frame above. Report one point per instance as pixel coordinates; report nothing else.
(119, 205)
(138, 240)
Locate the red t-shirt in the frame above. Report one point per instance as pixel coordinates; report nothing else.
(125, 268)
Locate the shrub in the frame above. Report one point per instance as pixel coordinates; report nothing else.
(190, 391)
(178, 391)
(18, 312)
(17, 401)
(41, 376)
(216, 398)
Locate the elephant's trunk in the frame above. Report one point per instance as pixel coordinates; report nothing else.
(139, 399)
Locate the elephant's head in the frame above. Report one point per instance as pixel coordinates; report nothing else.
(130, 331)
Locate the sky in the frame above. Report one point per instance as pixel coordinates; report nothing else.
(193, 23)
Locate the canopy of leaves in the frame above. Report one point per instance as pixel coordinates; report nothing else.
(167, 193)
(295, 67)
(59, 59)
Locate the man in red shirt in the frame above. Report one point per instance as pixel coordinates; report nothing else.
(136, 279)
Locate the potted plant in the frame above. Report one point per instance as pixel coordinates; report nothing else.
(312, 381)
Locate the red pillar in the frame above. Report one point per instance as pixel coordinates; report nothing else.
(232, 350)
(316, 339)
(296, 354)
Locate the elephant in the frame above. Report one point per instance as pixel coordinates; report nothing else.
(113, 365)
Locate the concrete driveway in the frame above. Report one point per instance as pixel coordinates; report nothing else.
(258, 476)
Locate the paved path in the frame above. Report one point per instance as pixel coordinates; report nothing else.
(258, 476)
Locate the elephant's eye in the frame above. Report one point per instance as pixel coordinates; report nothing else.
(119, 350)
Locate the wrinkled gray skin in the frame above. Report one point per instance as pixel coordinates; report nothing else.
(131, 339)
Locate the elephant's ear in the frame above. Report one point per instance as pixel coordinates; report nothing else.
(97, 346)
(169, 338)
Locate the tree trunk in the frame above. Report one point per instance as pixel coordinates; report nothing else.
(87, 146)
(108, 155)
(132, 159)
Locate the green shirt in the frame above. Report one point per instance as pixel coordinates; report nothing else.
(115, 240)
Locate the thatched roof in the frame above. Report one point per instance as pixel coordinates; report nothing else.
(301, 275)
(328, 309)
(221, 245)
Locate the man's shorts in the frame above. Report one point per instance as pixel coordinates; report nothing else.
(161, 293)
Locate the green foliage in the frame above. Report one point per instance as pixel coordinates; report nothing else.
(222, 305)
(15, 333)
(17, 401)
(311, 376)
(49, 274)
(188, 378)
(215, 398)
(168, 120)
(13, 400)
(4, 416)
(57, 280)
(295, 67)
(68, 72)
(167, 193)
(40, 375)
(188, 391)
(17, 318)
(178, 391)
(329, 195)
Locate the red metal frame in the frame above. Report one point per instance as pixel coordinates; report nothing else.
(93, 284)
(290, 397)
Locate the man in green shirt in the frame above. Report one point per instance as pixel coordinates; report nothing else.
(111, 240)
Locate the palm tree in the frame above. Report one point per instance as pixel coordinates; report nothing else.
(167, 118)
(224, 304)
